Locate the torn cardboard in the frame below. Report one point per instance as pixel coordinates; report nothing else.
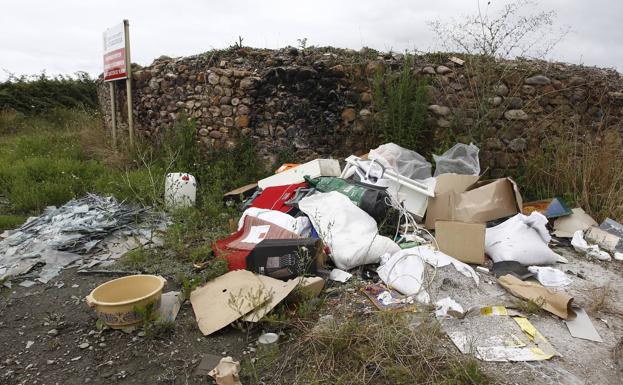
(555, 303)
(241, 192)
(278, 291)
(478, 202)
(461, 240)
(225, 299)
(604, 239)
(564, 227)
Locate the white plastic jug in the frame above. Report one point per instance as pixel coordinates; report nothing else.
(180, 190)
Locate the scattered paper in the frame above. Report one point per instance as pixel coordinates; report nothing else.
(548, 276)
(226, 372)
(339, 275)
(448, 307)
(582, 327)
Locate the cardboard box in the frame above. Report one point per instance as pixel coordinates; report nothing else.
(478, 202)
(461, 240)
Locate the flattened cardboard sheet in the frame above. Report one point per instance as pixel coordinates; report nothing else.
(461, 240)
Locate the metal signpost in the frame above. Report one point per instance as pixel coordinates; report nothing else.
(117, 66)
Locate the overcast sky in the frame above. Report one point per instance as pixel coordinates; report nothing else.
(64, 36)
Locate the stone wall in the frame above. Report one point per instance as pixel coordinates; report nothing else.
(318, 101)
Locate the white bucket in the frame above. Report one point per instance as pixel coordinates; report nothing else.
(180, 190)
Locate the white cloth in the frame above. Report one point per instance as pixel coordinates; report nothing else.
(548, 276)
(300, 226)
(349, 232)
(521, 238)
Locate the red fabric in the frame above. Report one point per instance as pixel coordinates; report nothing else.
(274, 198)
(235, 251)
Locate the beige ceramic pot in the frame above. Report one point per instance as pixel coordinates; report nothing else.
(115, 301)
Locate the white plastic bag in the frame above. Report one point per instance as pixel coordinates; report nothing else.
(349, 232)
(581, 246)
(299, 225)
(460, 159)
(548, 276)
(407, 163)
(402, 271)
(521, 238)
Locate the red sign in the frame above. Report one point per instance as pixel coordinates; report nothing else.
(115, 63)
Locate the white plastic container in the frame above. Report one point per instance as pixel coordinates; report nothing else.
(180, 190)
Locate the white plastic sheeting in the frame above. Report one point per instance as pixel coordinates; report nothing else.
(349, 232)
(300, 225)
(521, 238)
(548, 276)
(581, 246)
(405, 162)
(460, 159)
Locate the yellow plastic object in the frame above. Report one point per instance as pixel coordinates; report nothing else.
(115, 301)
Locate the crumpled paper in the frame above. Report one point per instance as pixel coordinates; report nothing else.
(226, 372)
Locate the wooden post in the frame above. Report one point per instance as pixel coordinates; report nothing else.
(128, 81)
(113, 109)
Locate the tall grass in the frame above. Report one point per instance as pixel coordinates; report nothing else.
(583, 169)
(400, 102)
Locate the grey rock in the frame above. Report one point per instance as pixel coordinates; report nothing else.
(442, 70)
(216, 134)
(538, 80)
(496, 100)
(225, 81)
(516, 115)
(154, 84)
(501, 90)
(518, 144)
(213, 79)
(227, 110)
(514, 103)
(443, 123)
(248, 83)
(428, 70)
(83, 345)
(493, 144)
(53, 332)
(528, 90)
(242, 110)
(439, 110)
(203, 132)
(235, 101)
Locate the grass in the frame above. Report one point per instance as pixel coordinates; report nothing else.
(580, 168)
(382, 348)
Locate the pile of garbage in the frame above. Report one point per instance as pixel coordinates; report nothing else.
(388, 217)
(88, 231)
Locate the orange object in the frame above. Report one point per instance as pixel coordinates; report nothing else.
(286, 166)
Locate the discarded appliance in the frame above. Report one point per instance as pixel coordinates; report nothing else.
(277, 197)
(287, 258)
(349, 232)
(236, 247)
(116, 301)
(550, 208)
(299, 225)
(521, 238)
(460, 159)
(314, 169)
(180, 190)
(479, 202)
(410, 193)
(461, 240)
(564, 227)
(554, 302)
(371, 199)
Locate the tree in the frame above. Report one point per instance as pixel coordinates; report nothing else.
(513, 31)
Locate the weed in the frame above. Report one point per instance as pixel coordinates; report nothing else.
(151, 323)
(530, 306)
(11, 221)
(400, 102)
(382, 348)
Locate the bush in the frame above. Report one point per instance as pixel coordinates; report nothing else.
(38, 94)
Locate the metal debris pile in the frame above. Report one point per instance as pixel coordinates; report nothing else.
(87, 231)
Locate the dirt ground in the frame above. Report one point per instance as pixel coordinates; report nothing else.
(44, 332)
